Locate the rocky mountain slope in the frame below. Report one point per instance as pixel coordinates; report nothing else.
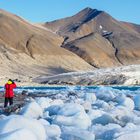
(135, 27)
(88, 40)
(28, 50)
(98, 38)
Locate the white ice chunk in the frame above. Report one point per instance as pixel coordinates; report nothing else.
(32, 110)
(137, 102)
(106, 132)
(87, 105)
(95, 113)
(104, 119)
(53, 110)
(57, 102)
(71, 133)
(133, 135)
(106, 93)
(72, 114)
(90, 97)
(53, 131)
(43, 102)
(20, 134)
(127, 102)
(16, 122)
(102, 104)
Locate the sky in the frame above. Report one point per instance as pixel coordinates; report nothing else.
(49, 10)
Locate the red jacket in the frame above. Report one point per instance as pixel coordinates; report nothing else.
(9, 90)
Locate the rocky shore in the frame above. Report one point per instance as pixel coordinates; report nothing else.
(125, 75)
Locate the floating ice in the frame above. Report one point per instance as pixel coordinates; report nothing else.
(130, 136)
(70, 109)
(19, 134)
(72, 115)
(43, 102)
(95, 113)
(32, 110)
(87, 106)
(53, 131)
(104, 119)
(16, 122)
(90, 97)
(101, 104)
(106, 93)
(127, 102)
(106, 132)
(129, 132)
(52, 110)
(103, 114)
(57, 102)
(71, 133)
(137, 102)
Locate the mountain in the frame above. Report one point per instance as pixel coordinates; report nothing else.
(135, 27)
(28, 50)
(88, 40)
(98, 38)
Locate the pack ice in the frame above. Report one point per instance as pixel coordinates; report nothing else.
(104, 114)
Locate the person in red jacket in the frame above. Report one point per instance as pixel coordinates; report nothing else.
(9, 94)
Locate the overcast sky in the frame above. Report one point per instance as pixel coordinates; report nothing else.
(48, 10)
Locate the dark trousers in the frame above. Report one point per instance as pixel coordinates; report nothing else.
(8, 100)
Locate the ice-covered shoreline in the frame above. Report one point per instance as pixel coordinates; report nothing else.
(124, 75)
(103, 113)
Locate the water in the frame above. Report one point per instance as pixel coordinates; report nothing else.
(131, 88)
(79, 88)
(63, 89)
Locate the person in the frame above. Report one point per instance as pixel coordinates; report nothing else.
(9, 93)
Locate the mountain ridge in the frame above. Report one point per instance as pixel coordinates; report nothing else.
(89, 21)
(27, 50)
(88, 40)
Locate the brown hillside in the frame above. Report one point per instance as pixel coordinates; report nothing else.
(124, 40)
(27, 50)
